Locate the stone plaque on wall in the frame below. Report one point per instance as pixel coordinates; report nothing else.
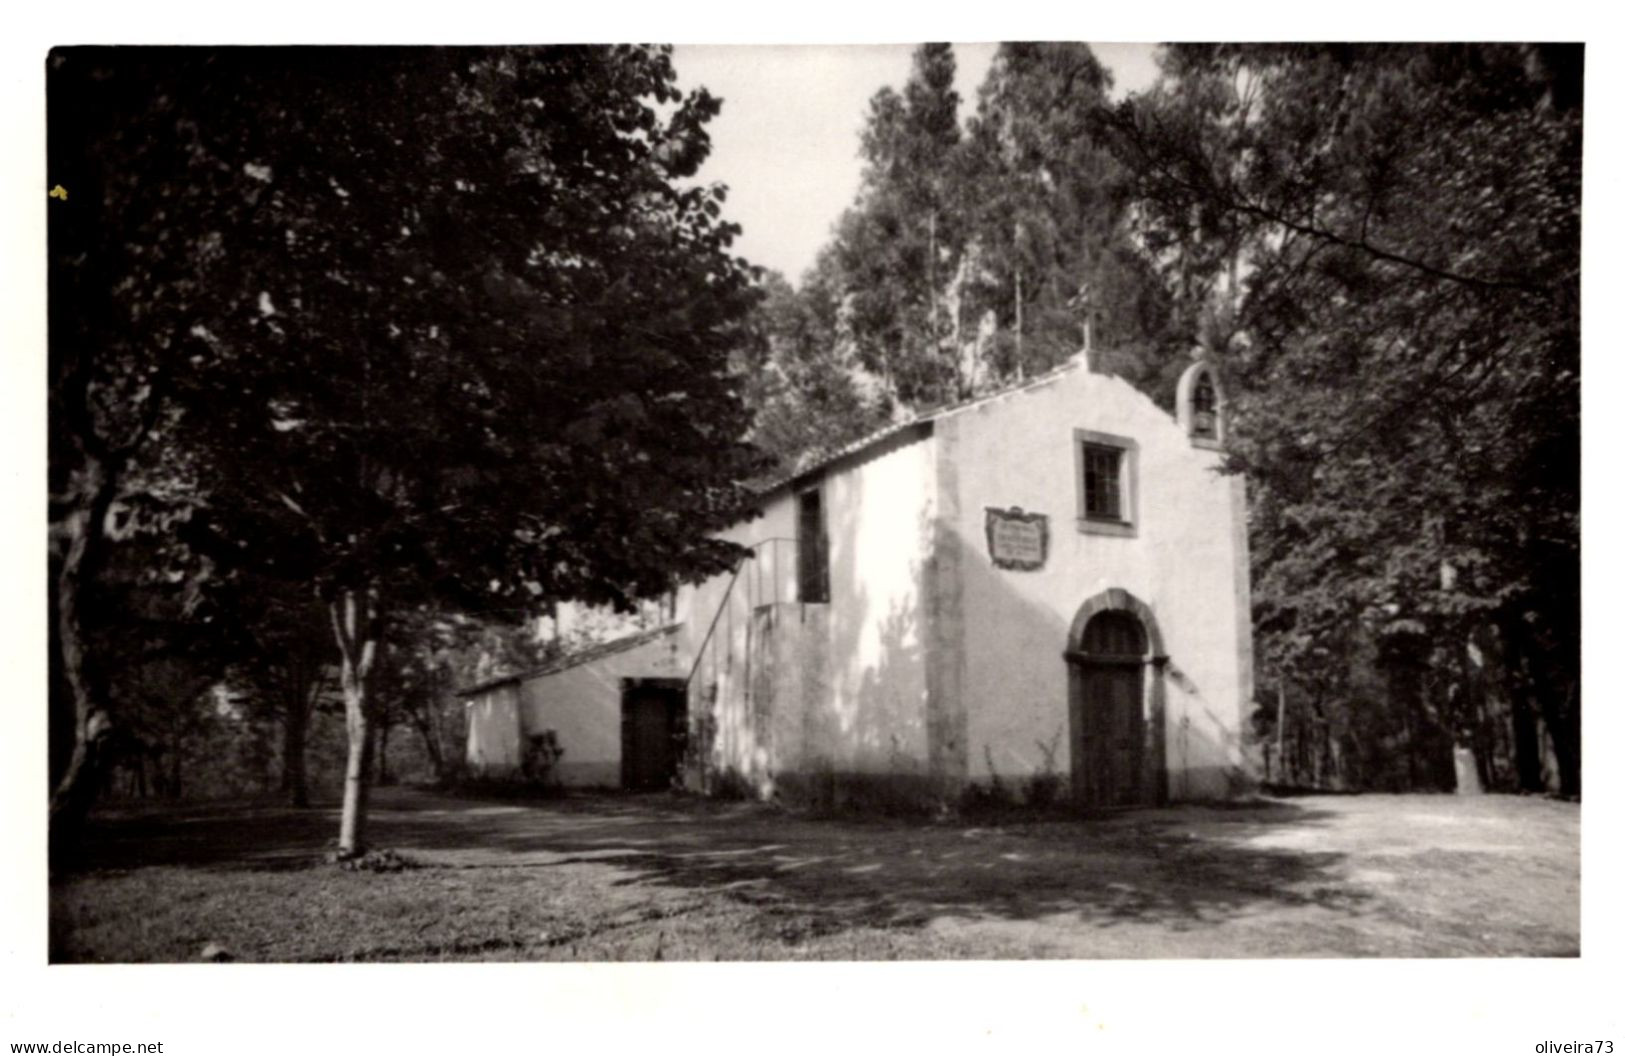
(1017, 540)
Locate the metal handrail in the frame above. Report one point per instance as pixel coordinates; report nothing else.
(716, 618)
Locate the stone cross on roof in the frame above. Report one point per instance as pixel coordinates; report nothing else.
(1083, 302)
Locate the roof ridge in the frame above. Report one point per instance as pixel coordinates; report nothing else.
(572, 659)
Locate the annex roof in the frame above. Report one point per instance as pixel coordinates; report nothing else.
(575, 659)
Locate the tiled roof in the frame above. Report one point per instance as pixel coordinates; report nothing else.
(575, 659)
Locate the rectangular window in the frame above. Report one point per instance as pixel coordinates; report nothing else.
(812, 548)
(1102, 482)
(1106, 483)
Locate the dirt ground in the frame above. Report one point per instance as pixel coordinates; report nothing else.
(609, 877)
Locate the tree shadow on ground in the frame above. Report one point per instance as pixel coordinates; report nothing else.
(1105, 871)
(1185, 867)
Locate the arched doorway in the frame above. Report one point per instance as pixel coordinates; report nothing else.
(1115, 663)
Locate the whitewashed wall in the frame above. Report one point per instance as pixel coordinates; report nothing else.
(493, 732)
(841, 689)
(928, 661)
(582, 706)
(1186, 560)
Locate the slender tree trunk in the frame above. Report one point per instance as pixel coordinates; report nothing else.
(1525, 740)
(1323, 749)
(431, 743)
(967, 384)
(1562, 715)
(1525, 730)
(383, 751)
(1554, 668)
(1280, 731)
(1403, 677)
(355, 624)
(1021, 363)
(931, 281)
(1471, 726)
(353, 820)
(299, 698)
(87, 539)
(295, 729)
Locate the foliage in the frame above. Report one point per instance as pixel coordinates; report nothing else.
(1049, 209)
(1044, 788)
(491, 309)
(1385, 243)
(541, 758)
(901, 241)
(810, 398)
(444, 326)
(154, 619)
(384, 861)
(973, 256)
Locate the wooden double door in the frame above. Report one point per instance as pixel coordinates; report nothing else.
(1112, 731)
(1111, 766)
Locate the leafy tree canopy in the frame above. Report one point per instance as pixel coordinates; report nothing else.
(1386, 241)
(973, 255)
(432, 324)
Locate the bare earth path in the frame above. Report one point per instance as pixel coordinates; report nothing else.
(659, 877)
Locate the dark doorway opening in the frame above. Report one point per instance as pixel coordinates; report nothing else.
(654, 732)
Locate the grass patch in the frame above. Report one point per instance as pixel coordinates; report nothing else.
(439, 914)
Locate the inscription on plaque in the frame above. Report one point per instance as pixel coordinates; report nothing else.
(1017, 540)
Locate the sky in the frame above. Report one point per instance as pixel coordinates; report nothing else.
(786, 141)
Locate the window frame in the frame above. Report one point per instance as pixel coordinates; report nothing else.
(1128, 483)
(817, 547)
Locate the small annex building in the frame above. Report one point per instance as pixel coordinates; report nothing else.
(1046, 587)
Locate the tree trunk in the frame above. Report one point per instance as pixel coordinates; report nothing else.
(1471, 725)
(383, 751)
(1525, 740)
(295, 727)
(353, 820)
(86, 530)
(1554, 667)
(1525, 730)
(1021, 365)
(355, 624)
(1563, 727)
(1280, 732)
(931, 283)
(299, 693)
(967, 383)
(1409, 706)
(431, 743)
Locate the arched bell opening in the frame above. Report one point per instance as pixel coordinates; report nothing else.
(1200, 406)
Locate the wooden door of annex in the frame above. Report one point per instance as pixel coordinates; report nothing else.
(653, 719)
